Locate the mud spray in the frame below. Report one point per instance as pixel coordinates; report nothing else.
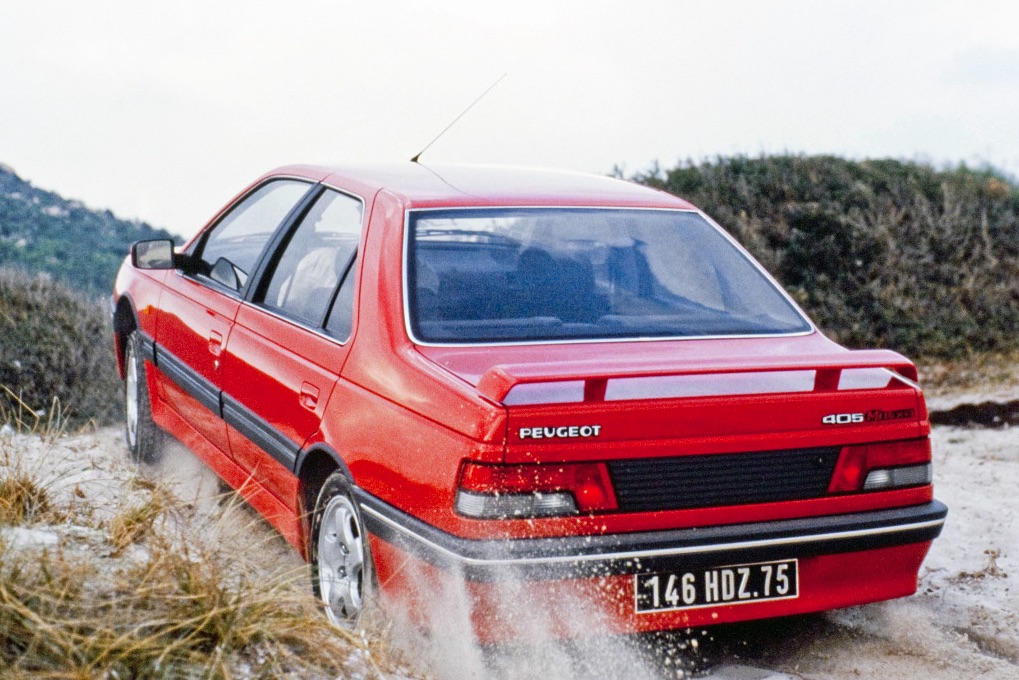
(435, 634)
(227, 520)
(437, 630)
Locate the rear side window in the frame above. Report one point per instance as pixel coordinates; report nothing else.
(230, 251)
(315, 259)
(341, 318)
(546, 274)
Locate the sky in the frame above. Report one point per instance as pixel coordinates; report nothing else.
(164, 111)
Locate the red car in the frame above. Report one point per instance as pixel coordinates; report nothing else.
(557, 392)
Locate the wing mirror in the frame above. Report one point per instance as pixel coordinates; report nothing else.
(153, 254)
(159, 254)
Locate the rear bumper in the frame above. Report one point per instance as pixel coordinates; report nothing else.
(599, 556)
(575, 587)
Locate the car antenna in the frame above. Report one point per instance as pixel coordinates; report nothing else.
(462, 114)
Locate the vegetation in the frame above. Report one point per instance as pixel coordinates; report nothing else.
(56, 356)
(880, 253)
(104, 574)
(42, 232)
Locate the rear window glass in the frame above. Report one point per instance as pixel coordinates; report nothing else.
(545, 274)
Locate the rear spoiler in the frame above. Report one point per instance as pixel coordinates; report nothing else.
(498, 381)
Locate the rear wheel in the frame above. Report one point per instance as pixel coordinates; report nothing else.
(341, 562)
(142, 434)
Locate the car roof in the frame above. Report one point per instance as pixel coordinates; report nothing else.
(432, 185)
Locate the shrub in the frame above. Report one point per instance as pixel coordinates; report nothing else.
(880, 253)
(56, 360)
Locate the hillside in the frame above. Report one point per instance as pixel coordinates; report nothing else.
(42, 232)
(879, 253)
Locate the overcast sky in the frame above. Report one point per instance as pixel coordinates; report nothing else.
(163, 111)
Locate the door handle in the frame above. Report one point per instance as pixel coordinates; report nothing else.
(309, 396)
(215, 343)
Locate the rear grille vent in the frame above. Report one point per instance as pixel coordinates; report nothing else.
(682, 482)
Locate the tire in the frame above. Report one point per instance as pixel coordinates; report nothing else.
(341, 564)
(142, 434)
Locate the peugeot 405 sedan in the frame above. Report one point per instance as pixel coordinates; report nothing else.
(436, 377)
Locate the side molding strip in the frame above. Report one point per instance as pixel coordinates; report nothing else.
(235, 414)
(198, 387)
(147, 347)
(258, 430)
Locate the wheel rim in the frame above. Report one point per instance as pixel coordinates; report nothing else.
(131, 397)
(341, 561)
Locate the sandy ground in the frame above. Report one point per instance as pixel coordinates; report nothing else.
(963, 622)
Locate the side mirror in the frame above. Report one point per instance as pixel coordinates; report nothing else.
(153, 254)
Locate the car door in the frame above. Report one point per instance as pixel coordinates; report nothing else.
(287, 345)
(198, 307)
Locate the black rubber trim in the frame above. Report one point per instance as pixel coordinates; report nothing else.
(258, 430)
(233, 412)
(147, 347)
(587, 556)
(204, 391)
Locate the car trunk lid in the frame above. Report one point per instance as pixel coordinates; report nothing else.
(632, 400)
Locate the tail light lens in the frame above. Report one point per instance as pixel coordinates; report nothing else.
(509, 491)
(882, 466)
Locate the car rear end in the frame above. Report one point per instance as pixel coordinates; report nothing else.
(721, 490)
(682, 446)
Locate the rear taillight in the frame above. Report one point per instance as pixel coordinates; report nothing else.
(547, 490)
(882, 466)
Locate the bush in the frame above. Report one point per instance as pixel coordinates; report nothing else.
(880, 253)
(56, 356)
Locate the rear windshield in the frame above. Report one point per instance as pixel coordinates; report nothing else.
(546, 274)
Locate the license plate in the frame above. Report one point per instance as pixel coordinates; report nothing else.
(714, 586)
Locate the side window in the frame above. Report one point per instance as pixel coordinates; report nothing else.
(341, 316)
(231, 249)
(315, 259)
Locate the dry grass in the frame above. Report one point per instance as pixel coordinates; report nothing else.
(19, 417)
(25, 496)
(135, 521)
(172, 615)
(22, 499)
(152, 590)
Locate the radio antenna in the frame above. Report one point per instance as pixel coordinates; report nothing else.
(462, 114)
